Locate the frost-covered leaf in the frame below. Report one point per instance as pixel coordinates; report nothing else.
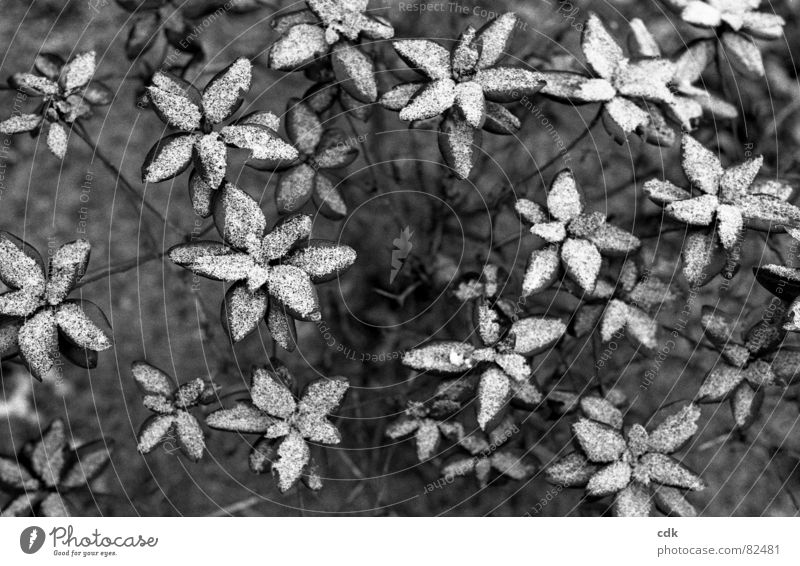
(530, 211)
(573, 470)
(15, 476)
(295, 188)
(38, 342)
(78, 71)
(263, 143)
(719, 383)
(626, 115)
(57, 139)
(601, 443)
(323, 260)
(494, 38)
(614, 241)
(292, 287)
(293, 456)
(442, 357)
(647, 79)
(536, 334)
(513, 464)
(697, 211)
(20, 123)
(168, 158)
(33, 85)
(642, 328)
(270, 395)
(542, 270)
(244, 418)
(745, 405)
(426, 56)
(300, 45)
(397, 97)
(285, 235)
(20, 264)
(151, 380)
(668, 471)
(323, 395)
(303, 126)
(224, 92)
(786, 365)
(328, 198)
(80, 328)
(433, 99)
(281, 327)
(582, 261)
(210, 158)
(494, 393)
(459, 144)
(403, 427)
(53, 505)
(87, 463)
(508, 84)
(427, 438)
(153, 431)
(48, 456)
(564, 200)
(609, 479)
(188, 394)
(671, 502)
(633, 501)
(568, 86)
(602, 52)
(175, 108)
(355, 72)
(675, 431)
(488, 323)
(703, 257)
(500, 120)
(743, 54)
(615, 318)
(602, 411)
(261, 118)
(471, 103)
(67, 266)
(335, 151)
(720, 327)
(238, 217)
(190, 436)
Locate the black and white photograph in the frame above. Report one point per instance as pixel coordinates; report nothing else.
(527, 259)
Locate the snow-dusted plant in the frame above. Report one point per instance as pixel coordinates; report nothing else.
(636, 468)
(40, 321)
(575, 239)
(46, 471)
(289, 423)
(67, 94)
(273, 272)
(721, 204)
(466, 86)
(171, 406)
(181, 106)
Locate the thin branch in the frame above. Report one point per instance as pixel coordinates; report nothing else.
(566, 150)
(134, 196)
(120, 268)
